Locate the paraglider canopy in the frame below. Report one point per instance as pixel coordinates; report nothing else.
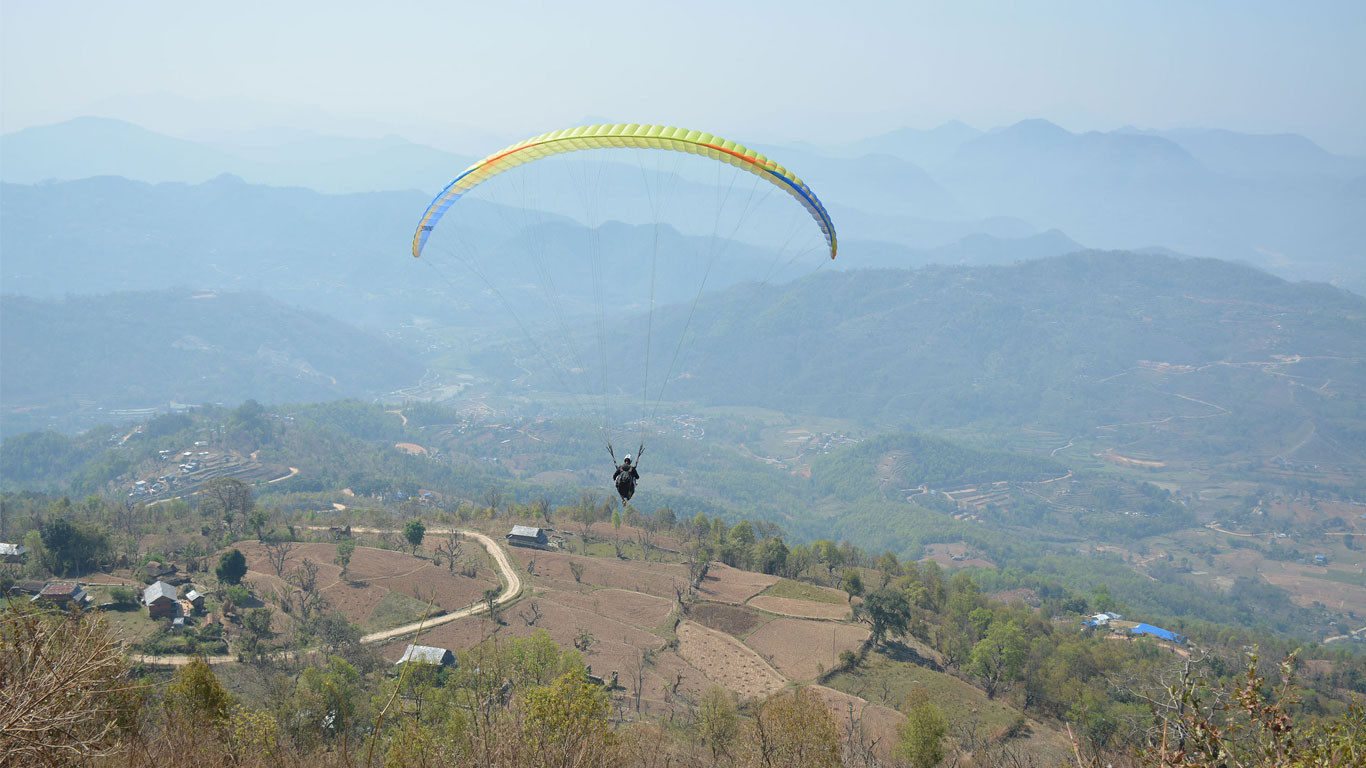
(624, 135)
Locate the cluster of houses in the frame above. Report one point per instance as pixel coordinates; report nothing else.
(1105, 620)
(162, 601)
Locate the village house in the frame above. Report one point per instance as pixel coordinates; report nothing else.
(61, 594)
(1160, 633)
(13, 553)
(427, 654)
(160, 599)
(527, 536)
(195, 599)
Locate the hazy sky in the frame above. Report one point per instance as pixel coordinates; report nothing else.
(459, 74)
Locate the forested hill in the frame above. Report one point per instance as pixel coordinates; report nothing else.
(1086, 339)
(146, 349)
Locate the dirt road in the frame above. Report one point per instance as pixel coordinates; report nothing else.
(512, 587)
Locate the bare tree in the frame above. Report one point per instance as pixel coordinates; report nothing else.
(637, 672)
(646, 539)
(310, 598)
(64, 689)
(541, 508)
(493, 499)
(449, 549)
(532, 613)
(277, 552)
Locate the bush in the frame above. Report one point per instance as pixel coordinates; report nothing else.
(123, 597)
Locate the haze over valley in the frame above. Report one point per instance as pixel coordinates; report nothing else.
(1004, 405)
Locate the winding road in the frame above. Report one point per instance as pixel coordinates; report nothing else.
(512, 588)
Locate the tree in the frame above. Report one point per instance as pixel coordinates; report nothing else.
(257, 626)
(450, 550)
(345, 549)
(920, 737)
(999, 656)
(310, 598)
(69, 547)
(257, 520)
(277, 552)
(889, 566)
(413, 532)
(718, 721)
(793, 730)
(853, 583)
(772, 556)
(67, 693)
(232, 566)
(227, 498)
(490, 599)
(566, 724)
(196, 695)
(886, 610)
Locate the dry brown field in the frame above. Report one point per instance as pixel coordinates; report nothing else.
(373, 574)
(724, 584)
(635, 608)
(727, 662)
(802, 649)
(1305, 588)
(806, 609)
(552, 571)
(732, 619)
(943, 554)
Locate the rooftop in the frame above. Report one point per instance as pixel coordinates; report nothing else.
(525, 530)
(157, 591)
(426, 654)
(60, 589)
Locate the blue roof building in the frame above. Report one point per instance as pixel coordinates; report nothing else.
(1158, 632)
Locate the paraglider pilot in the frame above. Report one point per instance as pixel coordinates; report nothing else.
(625, 479)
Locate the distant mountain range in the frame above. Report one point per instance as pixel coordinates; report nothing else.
(1279, 202)
(348, 254)
(71, 363)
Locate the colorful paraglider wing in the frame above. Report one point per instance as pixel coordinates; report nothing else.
(628, 135)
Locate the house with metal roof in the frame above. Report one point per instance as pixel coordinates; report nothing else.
(1158, 632)
(427, 654)
(160, 599)
(527, 536)
(61, 594)
(195, 599)
(13, 553)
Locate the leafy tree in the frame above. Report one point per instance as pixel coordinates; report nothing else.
(345, 549)
(196, 695)
(718, 721)
(853, 583)
(1000, 655)
(567, 724)
(413, 531)
(920, 737)
(889, 566)
(257, 519)
(232, 566)
(886, 610)
(69, 547)
(238, 595)
(772, 556)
